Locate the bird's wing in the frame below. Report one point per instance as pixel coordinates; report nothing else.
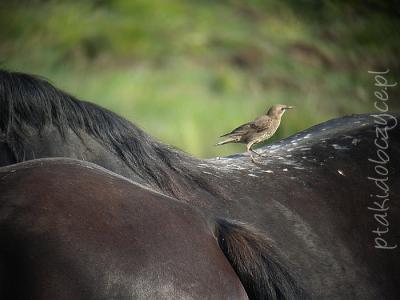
(261, 123)
(257, 125)
(239, 130)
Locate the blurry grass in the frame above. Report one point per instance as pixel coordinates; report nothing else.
(189, 71)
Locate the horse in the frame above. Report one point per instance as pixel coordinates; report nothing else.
(313, 195)
(73, 230)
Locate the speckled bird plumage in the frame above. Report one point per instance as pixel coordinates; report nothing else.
(258, 130)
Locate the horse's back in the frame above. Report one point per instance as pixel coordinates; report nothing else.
(70, 230)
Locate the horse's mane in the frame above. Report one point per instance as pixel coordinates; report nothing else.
(27, 101)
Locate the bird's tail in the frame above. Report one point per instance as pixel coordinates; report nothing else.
(227, 141)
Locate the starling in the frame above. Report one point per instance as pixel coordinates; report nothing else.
(258, 130)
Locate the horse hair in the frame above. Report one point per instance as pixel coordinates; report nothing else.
(253, 259)
(27, 101)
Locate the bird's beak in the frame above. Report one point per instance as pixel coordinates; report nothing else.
(289, 107)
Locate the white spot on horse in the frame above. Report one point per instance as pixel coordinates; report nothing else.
(338, 147)
(236, 167)
(341, 172)
(307, 136)
(285, 170)
(205, 172)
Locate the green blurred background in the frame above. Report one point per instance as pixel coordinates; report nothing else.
(189, 71)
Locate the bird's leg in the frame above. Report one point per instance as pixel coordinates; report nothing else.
(262, 155)
(259, 154)
(256, 152)
(251, 151)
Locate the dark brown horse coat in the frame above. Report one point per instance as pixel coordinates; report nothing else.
(313, 197)
(70, 230)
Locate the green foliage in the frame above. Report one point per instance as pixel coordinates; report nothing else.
(189, 71)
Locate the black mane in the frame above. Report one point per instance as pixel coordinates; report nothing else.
(27, 101)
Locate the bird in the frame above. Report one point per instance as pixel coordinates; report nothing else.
(254, 132)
